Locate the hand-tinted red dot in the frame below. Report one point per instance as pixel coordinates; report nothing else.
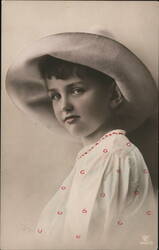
(136, 192)
(120, 222)
(78, 236)
(102, 195)
(82, 171)
(84, 211)
(149, 212)
(105, 150)
(59, 212)
(39, 230)
(146, 171)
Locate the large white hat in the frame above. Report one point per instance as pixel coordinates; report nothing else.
(27, 89)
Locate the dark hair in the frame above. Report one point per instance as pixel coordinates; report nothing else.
(50, 66)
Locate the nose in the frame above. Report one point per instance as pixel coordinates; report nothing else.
(66, 104)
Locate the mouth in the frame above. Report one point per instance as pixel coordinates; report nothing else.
(71, 119)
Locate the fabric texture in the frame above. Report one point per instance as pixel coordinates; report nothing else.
(106, 202)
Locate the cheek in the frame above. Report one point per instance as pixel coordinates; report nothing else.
(55, 111)
(94, 108)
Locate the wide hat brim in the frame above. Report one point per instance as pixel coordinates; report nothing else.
(27, 89)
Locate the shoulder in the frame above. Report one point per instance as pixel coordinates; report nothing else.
(122, 151)
(121, 145)
(125, 163)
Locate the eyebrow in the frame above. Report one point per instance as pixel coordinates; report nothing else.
(67, 86)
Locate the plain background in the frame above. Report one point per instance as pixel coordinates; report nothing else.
(35, 161)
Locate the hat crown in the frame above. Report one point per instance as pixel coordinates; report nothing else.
(99, 30)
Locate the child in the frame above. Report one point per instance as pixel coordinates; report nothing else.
(108, 193)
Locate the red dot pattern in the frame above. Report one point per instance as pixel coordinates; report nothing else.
(102, 194)
(98, 142)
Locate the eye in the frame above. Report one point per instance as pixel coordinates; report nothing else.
(77, 91)
(54, 96)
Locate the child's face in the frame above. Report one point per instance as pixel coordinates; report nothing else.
(81, 106)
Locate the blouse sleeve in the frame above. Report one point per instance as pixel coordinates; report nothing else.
(128, 206)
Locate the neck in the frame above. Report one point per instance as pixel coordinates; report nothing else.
(95, 136)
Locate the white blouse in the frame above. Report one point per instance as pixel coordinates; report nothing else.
(106, 202)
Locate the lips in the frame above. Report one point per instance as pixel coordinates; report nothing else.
(71, 119)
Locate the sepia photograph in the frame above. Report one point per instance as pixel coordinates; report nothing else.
(79, 125)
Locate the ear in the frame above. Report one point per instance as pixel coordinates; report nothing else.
(116, 97)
